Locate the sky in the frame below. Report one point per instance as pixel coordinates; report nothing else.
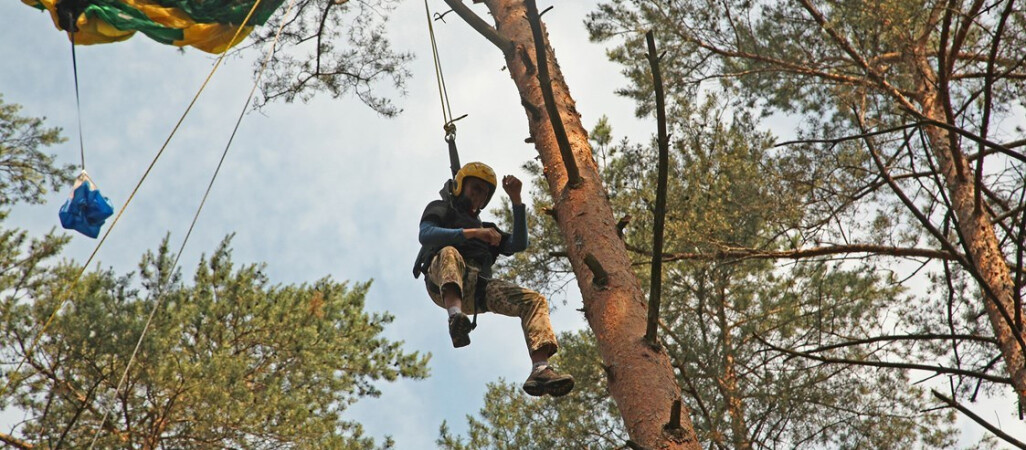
(325, 188)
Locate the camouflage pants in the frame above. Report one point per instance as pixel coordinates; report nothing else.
(501, 297)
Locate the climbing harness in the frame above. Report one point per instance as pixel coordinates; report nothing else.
(449, 125)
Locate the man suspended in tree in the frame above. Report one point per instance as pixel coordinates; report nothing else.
(457, 253)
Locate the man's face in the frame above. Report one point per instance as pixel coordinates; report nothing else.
(476, 191)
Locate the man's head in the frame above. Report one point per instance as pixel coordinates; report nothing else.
(475, 184)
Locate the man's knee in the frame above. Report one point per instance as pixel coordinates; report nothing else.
(450, 252)
(537, 299)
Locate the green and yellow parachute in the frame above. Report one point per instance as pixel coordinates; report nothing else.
(208, 25)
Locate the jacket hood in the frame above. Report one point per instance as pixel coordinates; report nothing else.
(446, 192)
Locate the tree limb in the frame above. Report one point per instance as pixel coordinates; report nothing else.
(964, 261)
(904, 337)
(979, 140)
(573, 175)
(751, 253)
(655, 293)
(997, 431)
(846, 46)
(889, 365)
(17, 443)
(479, 25)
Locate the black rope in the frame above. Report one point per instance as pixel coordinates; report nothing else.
(78, 102)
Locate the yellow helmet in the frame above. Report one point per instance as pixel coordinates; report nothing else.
(476, 170)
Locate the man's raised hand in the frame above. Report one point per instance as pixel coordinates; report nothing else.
(512, 185)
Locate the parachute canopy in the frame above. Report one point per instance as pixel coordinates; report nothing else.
(208, 25)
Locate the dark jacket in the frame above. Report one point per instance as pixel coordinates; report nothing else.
(446, 214)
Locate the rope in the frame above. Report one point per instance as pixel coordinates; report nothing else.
(448, 122)
(443, 94)
(78, 102)
(210, 185)
(74, 283)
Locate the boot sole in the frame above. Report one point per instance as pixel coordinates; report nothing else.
(560, 388)
(555, 388)
(460, 333)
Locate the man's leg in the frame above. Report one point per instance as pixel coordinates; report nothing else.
(503, 297)
(447, 271)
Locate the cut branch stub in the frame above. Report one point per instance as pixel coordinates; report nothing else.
(600, 278)
(674, 423)
(624, 221)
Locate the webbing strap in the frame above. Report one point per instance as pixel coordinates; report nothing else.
(454, 155)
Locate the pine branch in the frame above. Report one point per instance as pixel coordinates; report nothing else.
(751, 253)
(888, 364)
(904, 337)
(15, 442)
(997, 431)
(479, 25)
(573, 175)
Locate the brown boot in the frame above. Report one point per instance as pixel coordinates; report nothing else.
(459, 330)
(548, 381)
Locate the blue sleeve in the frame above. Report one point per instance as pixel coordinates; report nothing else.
(519, 241)
(432, 235)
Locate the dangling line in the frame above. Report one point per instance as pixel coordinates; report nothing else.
(78, 103)
(448, 122)
(195, 218)
(443, 94)
(63, 295)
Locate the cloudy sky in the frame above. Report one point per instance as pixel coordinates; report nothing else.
(326, 188)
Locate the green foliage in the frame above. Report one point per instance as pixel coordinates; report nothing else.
(25, 171)
(728, 322)
(839, 69)
(336, 48)
(601, 137)
(229, 361)
(537, 268)
(773, 53)
(511, 420)
(866, 68)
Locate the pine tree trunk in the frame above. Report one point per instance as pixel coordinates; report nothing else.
(980, 238)
(641, 380)
(729, 379)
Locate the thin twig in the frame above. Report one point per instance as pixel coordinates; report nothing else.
(997, 431)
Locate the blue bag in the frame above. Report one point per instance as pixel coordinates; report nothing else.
(86, 209)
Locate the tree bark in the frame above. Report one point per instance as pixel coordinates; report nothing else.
(981, 241)
(640, 377)
(728, 380)
(15, 442)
